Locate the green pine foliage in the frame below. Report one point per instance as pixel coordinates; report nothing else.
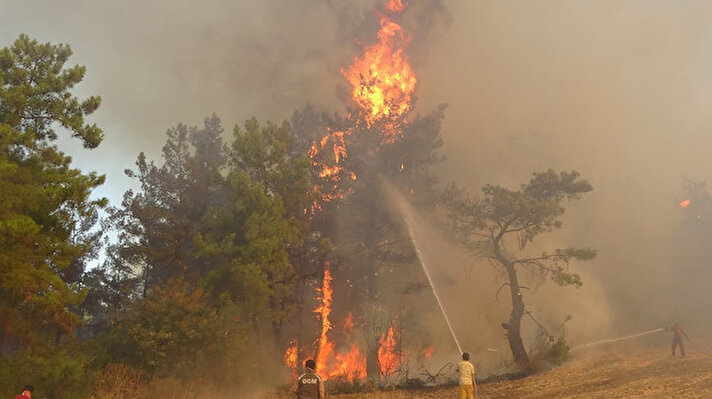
(46, 218)
(204, 245)
(55, 372)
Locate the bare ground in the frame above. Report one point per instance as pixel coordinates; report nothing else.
(640, 373)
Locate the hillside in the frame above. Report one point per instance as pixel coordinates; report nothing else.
(639, 373)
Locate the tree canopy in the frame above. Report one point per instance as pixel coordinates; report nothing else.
(490, 225)
(46, 208)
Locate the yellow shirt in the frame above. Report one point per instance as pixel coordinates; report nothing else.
(467, 372)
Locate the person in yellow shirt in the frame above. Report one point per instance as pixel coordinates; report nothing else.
(468, 386)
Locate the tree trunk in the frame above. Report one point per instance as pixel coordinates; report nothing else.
(302, 336)
(513, 325)
(2, 340)
(373, 370)
(277, 330)
(374, 326)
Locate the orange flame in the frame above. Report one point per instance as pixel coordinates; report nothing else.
(290, 357)
(395, 5)
(339, 149)
(428, 352)
(326, 347)
(684, 203)
(388, 356)
(350, 365)
(382, 83)
(382, 79)
(324, 310)
(329, 169)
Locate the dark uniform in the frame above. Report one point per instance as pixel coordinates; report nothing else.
(678, 333)
(309, 385)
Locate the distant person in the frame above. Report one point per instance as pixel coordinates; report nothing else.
(677, 334)
(26, 392)
(309, 384)
(467, 384)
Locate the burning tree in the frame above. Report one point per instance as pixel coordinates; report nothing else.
(690, 257)
(504, 217)
(371, 246)
(695, 211)
(351, 157)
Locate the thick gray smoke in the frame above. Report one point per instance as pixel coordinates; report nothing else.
(158, 63)
(619, 91)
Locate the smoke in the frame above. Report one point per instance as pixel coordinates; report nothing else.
(475, 302)
(619, 91)
(157, 63)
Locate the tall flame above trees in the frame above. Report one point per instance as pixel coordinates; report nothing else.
(382, 80)
(382, 83)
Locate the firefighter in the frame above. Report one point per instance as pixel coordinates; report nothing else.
(467, 385)
(26, 392)
(677, 338)
(309, 384)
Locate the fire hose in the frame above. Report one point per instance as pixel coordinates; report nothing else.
(606, 341)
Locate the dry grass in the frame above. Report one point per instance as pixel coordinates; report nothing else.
(642, 373)
(650, 373)
(118, 381)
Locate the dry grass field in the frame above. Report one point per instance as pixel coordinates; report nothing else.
(613, 373)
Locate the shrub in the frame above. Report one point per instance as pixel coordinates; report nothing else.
(118, 381)
(55, 372)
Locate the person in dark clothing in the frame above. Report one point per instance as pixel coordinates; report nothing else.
(26, 392)
(677, 338)
(309, 384)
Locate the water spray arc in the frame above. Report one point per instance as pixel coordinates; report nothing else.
(409, 219)
(607, 341)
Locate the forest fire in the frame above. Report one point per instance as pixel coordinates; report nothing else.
(329, 170)
(291, 357)
(351, 364)
(382, 87)
(388, 356)
(382, 79)
(326, 347)
(428, 352)
(684, 204)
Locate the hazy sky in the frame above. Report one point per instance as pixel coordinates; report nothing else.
(619, 90)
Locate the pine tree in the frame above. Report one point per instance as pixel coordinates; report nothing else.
(46, 212)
